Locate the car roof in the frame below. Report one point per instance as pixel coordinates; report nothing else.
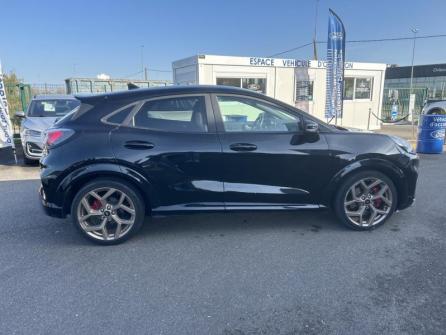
(54, 97)
(142, 93)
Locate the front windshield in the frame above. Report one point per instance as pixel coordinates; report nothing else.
(52, 108)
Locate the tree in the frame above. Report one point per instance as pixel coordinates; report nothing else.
(12, 92)
(11, 82)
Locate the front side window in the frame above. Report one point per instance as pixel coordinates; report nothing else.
(241, 114)
(183, 114)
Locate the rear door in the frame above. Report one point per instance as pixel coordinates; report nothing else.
(269, 162)
(172, 141)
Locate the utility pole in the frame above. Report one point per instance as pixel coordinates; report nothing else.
(142, 61)
(145, 74)
(315, 32)
(414, 31)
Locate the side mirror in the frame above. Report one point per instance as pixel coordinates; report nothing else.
(20, 114)
(311, 127)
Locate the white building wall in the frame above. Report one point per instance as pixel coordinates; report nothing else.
(281, 76)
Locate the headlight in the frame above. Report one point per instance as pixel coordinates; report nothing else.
(402, 143)
(32, 133)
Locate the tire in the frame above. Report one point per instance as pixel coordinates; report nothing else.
(111, 203)
(366, 209)
(28, 161)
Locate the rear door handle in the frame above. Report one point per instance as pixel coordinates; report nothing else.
(243, 147)
(139, 145)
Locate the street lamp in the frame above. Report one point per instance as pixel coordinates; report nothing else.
(414, 31)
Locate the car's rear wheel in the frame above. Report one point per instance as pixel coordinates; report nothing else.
(366, 200)
(107, 211)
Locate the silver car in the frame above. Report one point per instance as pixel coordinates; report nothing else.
(42, 113)
(437, 107)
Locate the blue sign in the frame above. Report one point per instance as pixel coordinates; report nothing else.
(335, 66)
(394, 112)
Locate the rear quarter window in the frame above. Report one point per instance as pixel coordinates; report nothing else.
(119, 116)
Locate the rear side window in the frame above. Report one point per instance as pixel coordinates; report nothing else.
(120, 115)
(183, 114)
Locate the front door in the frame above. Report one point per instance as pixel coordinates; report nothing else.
(269, 162)
(172, 141)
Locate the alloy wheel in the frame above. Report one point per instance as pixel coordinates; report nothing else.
(106, 213)
(368, 202)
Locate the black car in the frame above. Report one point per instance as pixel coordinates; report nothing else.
(122, 156)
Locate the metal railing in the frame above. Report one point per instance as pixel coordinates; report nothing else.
(399, 98)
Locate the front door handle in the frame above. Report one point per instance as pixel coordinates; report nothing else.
(139, 145)
(243, 147)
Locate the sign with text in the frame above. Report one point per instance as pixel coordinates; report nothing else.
(6, 136)
(335, 67)
(303, 63)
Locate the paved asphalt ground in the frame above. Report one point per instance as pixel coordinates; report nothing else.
(245, 273)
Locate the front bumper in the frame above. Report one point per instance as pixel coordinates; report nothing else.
(411, 177)
(50, 209)
(33, 150)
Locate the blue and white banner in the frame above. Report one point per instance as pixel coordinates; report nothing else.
(335, 66)
(6, 135)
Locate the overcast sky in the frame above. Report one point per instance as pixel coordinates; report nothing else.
(48, 41)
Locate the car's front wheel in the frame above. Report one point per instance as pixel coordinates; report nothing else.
(365, 200)
(107, 211)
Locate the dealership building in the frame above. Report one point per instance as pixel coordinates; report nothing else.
(301, 83)
(432, 78)
(428, 82)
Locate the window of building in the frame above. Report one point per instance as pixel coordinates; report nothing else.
(254, 84)
(358, 88)
(304, 90)
(349, 88)
(185, 114)
(363, 88)
(251, 115)
(236, 82)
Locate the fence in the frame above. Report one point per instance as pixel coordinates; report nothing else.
(400, 97)
(94, 85)
(49, 89)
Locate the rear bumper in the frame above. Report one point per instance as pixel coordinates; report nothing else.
(49, 208)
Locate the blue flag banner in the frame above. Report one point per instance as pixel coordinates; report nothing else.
(335, 66)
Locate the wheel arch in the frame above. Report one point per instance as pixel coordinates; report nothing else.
(78, 178)
(394, 173)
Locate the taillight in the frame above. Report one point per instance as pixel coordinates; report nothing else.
(57, 136)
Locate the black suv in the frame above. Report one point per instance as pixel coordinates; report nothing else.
(121, 156)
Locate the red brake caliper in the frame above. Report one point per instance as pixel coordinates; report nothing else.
(377, 202)
(96, 205)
